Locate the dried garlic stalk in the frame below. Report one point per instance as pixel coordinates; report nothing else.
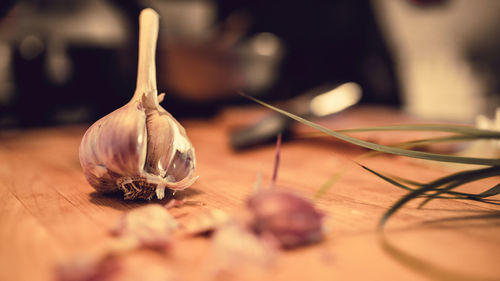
(139, 148)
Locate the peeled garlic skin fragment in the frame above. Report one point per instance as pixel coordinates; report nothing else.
(151, 225)
(115, 147)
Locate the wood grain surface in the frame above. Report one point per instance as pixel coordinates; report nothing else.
(49, 214)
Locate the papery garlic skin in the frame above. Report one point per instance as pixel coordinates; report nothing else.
(149, 226)
(139, 148)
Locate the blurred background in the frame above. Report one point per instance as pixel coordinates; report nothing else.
(73, 61)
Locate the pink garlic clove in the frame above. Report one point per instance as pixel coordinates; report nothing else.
(290, 219)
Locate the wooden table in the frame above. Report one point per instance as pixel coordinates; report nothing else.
(48, 212)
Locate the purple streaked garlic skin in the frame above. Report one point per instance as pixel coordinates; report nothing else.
(290, 219)
(139, 148)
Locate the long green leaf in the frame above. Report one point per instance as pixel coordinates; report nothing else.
(328, 184)
(464, 180)
(490, 192)
(388, 179)
(432, 185)
(450, 128)
(435, 140)
(408, 181)
(383, 148)
(415, 143)
(459, 195)
(423, 266)
(488, 201)
(336, 177)
(394, 181)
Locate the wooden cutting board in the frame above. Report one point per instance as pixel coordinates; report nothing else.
(49, 214)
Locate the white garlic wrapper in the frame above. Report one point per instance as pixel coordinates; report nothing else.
(139, 148)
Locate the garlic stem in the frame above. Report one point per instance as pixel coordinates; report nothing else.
(146, 70)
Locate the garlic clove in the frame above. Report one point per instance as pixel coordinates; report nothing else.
(160, 145)
(114, 145)
(170, 155)
(179, 172)
(290, 219)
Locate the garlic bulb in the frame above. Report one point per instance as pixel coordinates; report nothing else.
(139, 148)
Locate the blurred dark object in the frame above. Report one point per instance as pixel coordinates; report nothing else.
(5, 6)
(75, 61)
(277, 50)
(65, 62)
(427, 3)
(316, 103)
(201, 72)
(325, 42)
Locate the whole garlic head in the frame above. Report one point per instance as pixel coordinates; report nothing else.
(139, 148)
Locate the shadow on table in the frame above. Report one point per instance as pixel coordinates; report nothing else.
(475, 219)
(116, 201)
(489, 218)
(486, 218)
